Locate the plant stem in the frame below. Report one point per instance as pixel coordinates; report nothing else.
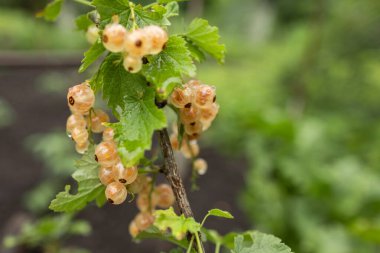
(172, 174)
(84, 2)
(190, 245)
(133, 17)
(217, 248)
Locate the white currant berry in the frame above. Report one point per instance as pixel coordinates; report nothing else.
(165, 196)
(80, 98)
(114, 36)
(174, 141)
(189, 115)
(98, 117)
(193, 128)
(137, 43)
(106, 154)
(139, 184)
(158, 38)
(143, 204)
(204, 95)
(193, 84)
(106, 175)
(200, 166)
(92, 34)
(132, 63)
(79, 135)
(82, 148)
(181, 98)
(190, 149)
(75, 120)
(108, 134)
(144, 220)
(116, 193)
(133, 229)
(209, 113)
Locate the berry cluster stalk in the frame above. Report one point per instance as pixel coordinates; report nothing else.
(172, 174)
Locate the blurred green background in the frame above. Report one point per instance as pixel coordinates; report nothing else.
(300, 101)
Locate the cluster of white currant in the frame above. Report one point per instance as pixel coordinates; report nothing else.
(150, 196)
(197, 110)
(136, 44)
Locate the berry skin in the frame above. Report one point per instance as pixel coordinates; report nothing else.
(209, 113)
(194, 128)
(106, 175)
(80, 98)
(97, 118)
(144, 220)
(132, 64)
(181, 98)
(92, 34)
(142, 202)
(130, 174)
(158, 38)
(113, 37)
(200, 166)
(79, 135)
(133, 229)
(139, 184)
(106, 154)
(81, 149)
(204, 95)
(116, 193)
(137, 43)
(189, 115)
(75, 120)
(108, 134)
(190, 150)
(165, 196)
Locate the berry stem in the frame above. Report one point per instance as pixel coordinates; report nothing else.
(84, 2)
(172, 174)
(133, 17)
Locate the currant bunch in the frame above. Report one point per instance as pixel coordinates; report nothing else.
(135, 44)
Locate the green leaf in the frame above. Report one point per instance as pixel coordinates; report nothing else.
(257, 242)
(206, 38)
(169, 1)
(132, 101)
(172, 9)
(154, 233)
(195, 52)
(178, 225)
(89, 186)
(83, 22)
(52, 10)
(91, 55)
(166, 69)
(220, 213)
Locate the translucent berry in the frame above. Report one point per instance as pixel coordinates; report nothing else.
(130, 174)
(174, 141)
(92, 34)
(75, 120)
(132, 63)
(80, 98)
(165, 196)
(158, 38)
(190, 149)
(193, 128)
(79, 135)
(106, 175)
(133, 229)
(137, 43)
(108, 134)
(82, 148)
(144, 220)
(200, 166)
(113, 37)
(209, 113)
(98, 117)
(181, 98)
(193, 84)
(116, 193)
(189, 115)
(204, 95)
(106, 154)
(142, 202)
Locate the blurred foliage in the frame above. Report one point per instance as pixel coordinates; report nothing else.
(302, 104)
(6, 114)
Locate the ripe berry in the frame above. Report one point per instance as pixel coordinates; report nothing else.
(174, 141)
(113, 37)
(181, 98)
(133, 229)
(108, 134)
(130, 174)
(139, 184)
(204, 95)
(142, 202)
(79, 135)
(132, 64)
(137, 43)
(158, 38)
(189, 115)
(106, 154)
(80, 98)
(144, 220)
(75, 120)
(92, 34)
(200, 166)
(190, 149)
(82, 148)
(193, 84)
(193, 128)
(106, 175)
(97, 118)
(209, 113)
(116, 193)
(165, 196)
